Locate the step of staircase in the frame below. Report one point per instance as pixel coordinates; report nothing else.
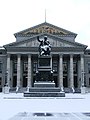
(44, 94)
(47, 89)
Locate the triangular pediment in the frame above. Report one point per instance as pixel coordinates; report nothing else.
(54, 41)
(45, 28)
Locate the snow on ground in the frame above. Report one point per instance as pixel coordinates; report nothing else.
(12, 103)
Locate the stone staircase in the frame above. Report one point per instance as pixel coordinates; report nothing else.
(44, 92)
(44, 89)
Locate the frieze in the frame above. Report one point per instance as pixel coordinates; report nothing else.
(45, 29)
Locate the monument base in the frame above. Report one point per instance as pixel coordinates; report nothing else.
(44, 84)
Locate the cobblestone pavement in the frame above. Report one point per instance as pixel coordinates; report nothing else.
(51, 116)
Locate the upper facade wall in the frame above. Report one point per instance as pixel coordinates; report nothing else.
(54, 42)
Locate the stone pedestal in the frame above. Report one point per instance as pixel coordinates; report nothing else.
(83, 90)
(6, 89)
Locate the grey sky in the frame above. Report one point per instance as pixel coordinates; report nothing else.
(17, 15)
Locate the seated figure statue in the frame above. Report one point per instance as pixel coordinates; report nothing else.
(44, 47)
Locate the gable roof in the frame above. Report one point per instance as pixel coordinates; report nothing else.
(45, 28)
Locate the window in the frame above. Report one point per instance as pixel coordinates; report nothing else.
(25, 66)
(15, 66)
(88, 67)
(0, 81)
(55, 66)
(34, 66)
(75, 67)
(89, 81)
(0, 67)
(65, 67)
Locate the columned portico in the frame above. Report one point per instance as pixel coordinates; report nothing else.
(61, 71)
(29, 71)
(62, 74)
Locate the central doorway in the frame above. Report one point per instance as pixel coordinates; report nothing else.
(24, 84)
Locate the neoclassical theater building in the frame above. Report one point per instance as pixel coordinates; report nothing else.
(70, 60)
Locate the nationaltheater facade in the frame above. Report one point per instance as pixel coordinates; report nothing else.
(69, 60)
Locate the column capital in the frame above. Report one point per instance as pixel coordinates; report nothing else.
(29, 55)
(82, 55)
(8, 55)
(60, 55)
(19, 55)
(71, 55)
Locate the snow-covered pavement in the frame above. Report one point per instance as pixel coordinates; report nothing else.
(12, 104)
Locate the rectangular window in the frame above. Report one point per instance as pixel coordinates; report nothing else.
(15, 67)
(34, 66)
(89, 81)
(55, 66)
(25, 66)
(0, 81)
(0, 67)
(75, 67)
(65, 67)
(88, 67)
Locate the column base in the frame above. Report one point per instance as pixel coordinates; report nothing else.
(73, 90)
(17, 89)
(83, 90)
(6, 89)
(28, 89)
(62, 89)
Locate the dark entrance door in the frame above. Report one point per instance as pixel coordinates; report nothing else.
(75, 82)
(14, 81)
(24, 81)
(65, 82)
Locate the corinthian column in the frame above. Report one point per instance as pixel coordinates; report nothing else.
(61, 72)
(82, 70)
(18, 70)
(8, 70)
(71, 72)
(29, 71)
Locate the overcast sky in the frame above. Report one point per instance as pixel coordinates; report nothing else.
(17, 15)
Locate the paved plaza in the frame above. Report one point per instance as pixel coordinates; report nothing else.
(51, 116)
(71, 107)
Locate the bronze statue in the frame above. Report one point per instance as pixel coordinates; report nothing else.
(44, 47)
